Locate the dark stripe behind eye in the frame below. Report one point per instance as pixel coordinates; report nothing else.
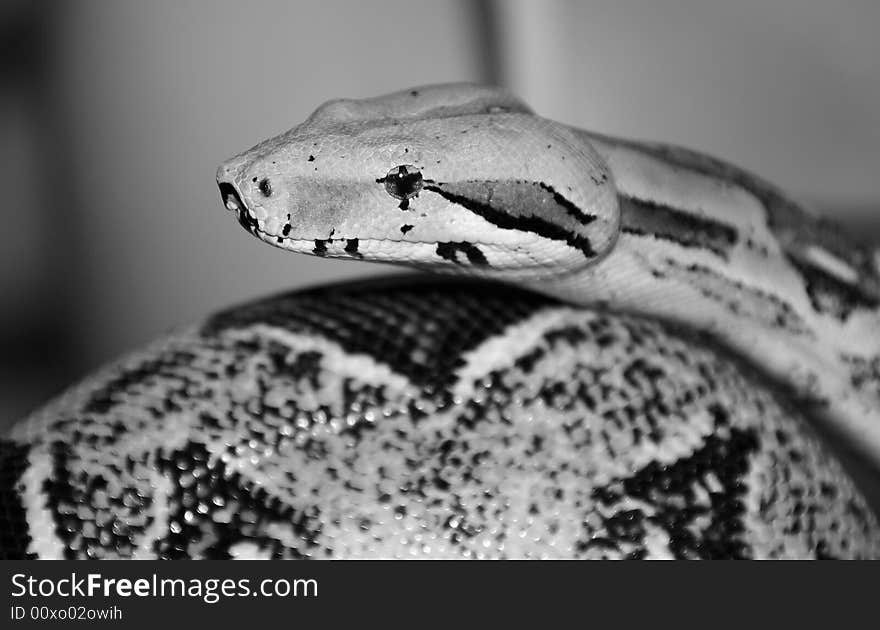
(509, 219)
(473, 253)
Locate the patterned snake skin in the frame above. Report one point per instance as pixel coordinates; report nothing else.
(420, 418)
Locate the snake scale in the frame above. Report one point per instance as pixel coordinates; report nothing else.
(630, 368)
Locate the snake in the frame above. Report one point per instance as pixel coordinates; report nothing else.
(610, 349)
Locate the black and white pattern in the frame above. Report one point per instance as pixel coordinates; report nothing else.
(419, 418)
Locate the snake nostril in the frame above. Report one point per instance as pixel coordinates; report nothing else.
(230, 197)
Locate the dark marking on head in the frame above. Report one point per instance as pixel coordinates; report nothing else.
(404, 205)
(320, 248)
(402, 182)
(405, 228)
(351, 247)
(517, 205)
(475, 257)
(286, 229)
(266, 187)
(641, 216)
(572, 210)
(311, 158)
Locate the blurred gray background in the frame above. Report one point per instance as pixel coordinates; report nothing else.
(115, 114)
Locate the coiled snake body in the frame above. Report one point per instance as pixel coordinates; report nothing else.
(654, 405)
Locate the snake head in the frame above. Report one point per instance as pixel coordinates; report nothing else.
(459, 178)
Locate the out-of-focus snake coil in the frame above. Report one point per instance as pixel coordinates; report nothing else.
(418, 418)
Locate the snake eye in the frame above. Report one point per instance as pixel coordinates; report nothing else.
(265, 188)
(403, 182)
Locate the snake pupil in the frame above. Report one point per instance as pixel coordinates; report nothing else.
(265, 188)
(403, 182)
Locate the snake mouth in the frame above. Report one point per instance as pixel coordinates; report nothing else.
(468, 258)
(230, 197)
(370, 249)
(232, 200)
